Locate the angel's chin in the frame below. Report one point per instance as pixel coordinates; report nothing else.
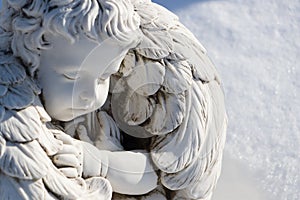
(67, 115)
(64, 118)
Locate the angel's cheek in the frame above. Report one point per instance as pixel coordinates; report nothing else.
(57, 97)
(102, 92)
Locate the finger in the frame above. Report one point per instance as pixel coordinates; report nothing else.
(104, 123)
(83, 135)
(63, 137)
(81, 130)
(69, 172)
(66, 160)
(73, 124)
(69, 149)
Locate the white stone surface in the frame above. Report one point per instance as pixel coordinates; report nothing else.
(163, 124)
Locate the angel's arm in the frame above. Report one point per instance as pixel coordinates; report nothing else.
(128, 172)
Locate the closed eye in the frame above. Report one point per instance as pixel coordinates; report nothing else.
(71, 75)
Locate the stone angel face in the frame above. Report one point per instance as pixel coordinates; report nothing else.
(75, 76)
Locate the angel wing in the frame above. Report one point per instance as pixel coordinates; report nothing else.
(27, 145)
(168, 88)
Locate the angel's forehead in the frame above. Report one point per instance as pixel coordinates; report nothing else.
(82, 45)
(82, 52)
(62, 45)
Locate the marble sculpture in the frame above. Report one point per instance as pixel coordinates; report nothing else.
(106, 99)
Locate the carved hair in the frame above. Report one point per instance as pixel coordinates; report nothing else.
(24, 23)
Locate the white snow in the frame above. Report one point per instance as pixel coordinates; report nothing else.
(256, 47)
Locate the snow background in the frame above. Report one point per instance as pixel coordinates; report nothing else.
(255, 46)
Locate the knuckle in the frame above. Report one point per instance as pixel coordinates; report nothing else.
(69, 172)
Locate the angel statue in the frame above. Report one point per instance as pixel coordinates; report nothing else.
(106, 99)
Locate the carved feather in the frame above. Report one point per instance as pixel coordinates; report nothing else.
(11, 72)
(61, 186)
(202, 166)
(2, 112)
(24, 161)
(47, 141)
(178, 77)
(186, 45)
(5, 36)
(3, 90)
(125, 119)
(19, 96)
(22, 126)
(100, 187)
(168, 114)
(173, 152)
(2, 145)
(151, 47)
(154, 16)
(146, 77)
(138, 109)
(16, 189)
